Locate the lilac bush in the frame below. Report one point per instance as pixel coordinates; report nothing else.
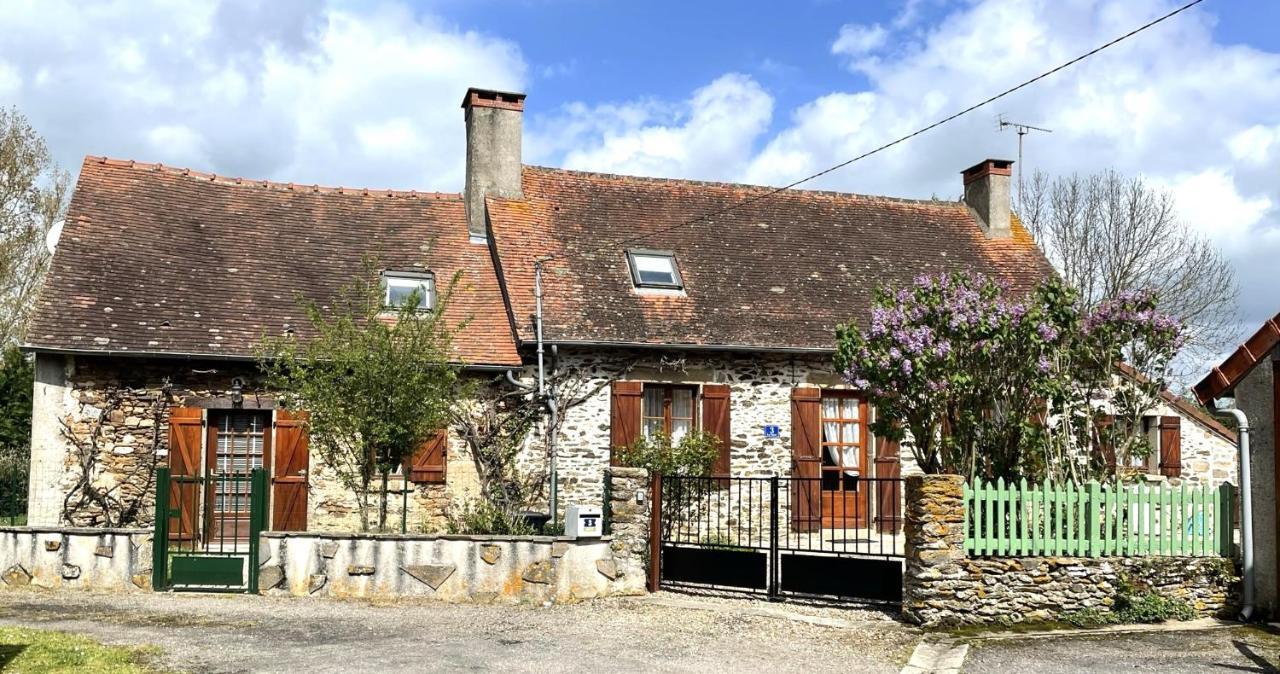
(982, 380)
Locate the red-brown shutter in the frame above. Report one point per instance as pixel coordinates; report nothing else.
(888, 488)
(1106, 440)
(715, 420)
(624, 416)
(1171, 446)
(806, 458)
(429, 462)
(289, 474)
(185, 426)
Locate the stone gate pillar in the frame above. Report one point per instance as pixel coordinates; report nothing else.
(934, 532)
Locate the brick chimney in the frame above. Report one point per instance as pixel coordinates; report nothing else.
(494, 120)
(987, 193)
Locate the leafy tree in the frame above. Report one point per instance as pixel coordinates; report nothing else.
(16, 379)
(1108, 234)
(376, 383)
(33, 195)
(981, 383)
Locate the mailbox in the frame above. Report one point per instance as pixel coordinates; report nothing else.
(583, 522)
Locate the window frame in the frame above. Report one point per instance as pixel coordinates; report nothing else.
(863, 444)
(678, 279)
(418, 278)
(667, 404)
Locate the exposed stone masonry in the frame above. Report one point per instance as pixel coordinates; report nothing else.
(944, 586)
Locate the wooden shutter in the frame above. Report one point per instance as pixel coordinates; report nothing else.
(1106, 440)
(429, 462)
(1171, 446)
(624, 416)
(715, 420)
(888, 488)
(185, 430)
(806, 458)
(289, 474)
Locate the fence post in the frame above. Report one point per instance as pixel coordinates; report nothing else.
(774, 557)
(160, 538)
(257, 520)
(655, 532)
(1095, 519)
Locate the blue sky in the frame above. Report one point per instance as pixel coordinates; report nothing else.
(366, 93)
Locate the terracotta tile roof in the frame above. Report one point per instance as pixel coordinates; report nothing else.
(154, 259)
(1184, 406)
(779, 273)
(1241, 361)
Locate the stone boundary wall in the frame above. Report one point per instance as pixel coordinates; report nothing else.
(629, 507)
(943, 586)
(107, 560)
(482, 569)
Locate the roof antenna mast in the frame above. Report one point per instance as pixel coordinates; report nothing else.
(1022, 129)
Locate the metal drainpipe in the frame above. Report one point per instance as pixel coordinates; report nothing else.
(542, 385)
(1246, 505)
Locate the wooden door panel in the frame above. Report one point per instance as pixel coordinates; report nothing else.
(185, 431)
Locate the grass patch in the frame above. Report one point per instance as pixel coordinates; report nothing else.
(27, 650)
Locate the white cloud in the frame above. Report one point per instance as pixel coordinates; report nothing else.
(709, 136)
(857, 40)
(296, 91)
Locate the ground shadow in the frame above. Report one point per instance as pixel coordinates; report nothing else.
(1262, 663)
(8, 652)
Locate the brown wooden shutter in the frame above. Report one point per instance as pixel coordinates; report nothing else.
(1171, 446)
(430, 461)
(185, 430)
(289, 474)
(806, 458)
(888, 488)
(1106, 440)
(715, 420)
(624, 416)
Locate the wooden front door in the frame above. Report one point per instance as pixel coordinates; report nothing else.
(289, 474)
(846, 498)
(239, 441)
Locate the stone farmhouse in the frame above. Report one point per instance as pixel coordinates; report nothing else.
(166, 279)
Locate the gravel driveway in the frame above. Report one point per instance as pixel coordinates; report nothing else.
(663, 632)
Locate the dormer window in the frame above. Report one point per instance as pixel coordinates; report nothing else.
(400, 286)
(654, 269)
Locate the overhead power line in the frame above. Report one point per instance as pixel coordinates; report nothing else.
(765, 195)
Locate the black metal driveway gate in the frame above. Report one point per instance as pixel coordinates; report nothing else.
(781, 536)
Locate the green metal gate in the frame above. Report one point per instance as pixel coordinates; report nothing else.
(207, 531)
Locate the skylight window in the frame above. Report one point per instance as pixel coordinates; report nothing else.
(654, 269)
(401, 286)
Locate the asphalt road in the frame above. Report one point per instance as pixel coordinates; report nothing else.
(1236, 649)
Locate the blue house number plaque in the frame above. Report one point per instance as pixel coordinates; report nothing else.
(772, 431)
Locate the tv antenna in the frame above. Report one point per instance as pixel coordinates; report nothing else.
(1022, 129)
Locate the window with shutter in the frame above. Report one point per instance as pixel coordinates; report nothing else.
(428, 464)
(186, 426)
(806, 458)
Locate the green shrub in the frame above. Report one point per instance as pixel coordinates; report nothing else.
(1149, 607)
(694, 454)
(1091, 617)
(15, 464)
(482, 517)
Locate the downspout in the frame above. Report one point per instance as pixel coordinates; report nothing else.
(542, 387)
(1226, 406)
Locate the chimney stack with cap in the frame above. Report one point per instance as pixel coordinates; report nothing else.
(987, 193)
(494, 120)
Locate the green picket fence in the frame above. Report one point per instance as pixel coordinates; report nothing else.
(1097, 520)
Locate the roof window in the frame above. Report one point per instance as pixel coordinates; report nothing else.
(654, 269)
(402, 286)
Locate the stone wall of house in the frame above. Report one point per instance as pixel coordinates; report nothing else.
(1207, 456)
(1255, 397)
(943, 586)
(760, 394)
(114, 411)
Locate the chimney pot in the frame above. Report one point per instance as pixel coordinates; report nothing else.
(987, 193)
(494, 121)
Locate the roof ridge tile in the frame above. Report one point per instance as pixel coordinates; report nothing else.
(183, 172)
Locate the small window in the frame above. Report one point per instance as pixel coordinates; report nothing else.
(654, 269)
(668, 410)
(400, 286)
